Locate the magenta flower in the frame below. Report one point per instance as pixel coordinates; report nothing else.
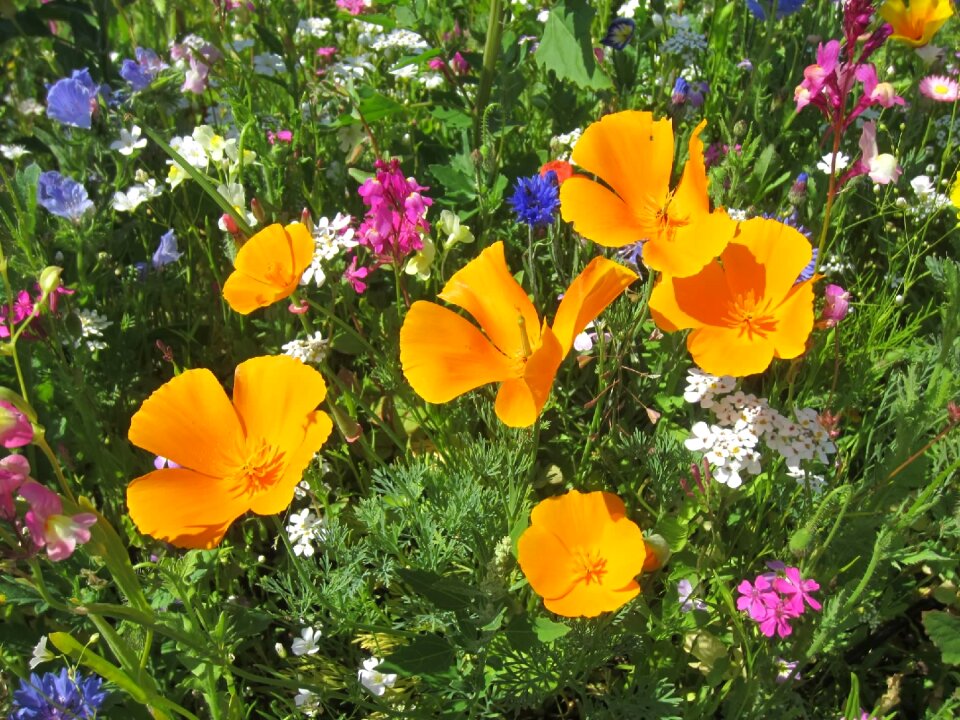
(355, 276)
(49, 527)
(940, 88)
(284, 136)
(777, 619)
(836, 306)
(326, 52)
(16, 430)
(459, 64)
(796, 590)
(756, 597)
(14, 471)
(354, 7)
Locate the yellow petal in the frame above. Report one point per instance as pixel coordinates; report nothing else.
(690, 200)
(600, 215)
(444, 356)
(794, 321)
(685, 250)
(520, 401)
(729, 351)
(782, 250)
(485, 288)
(591, 600)
(600, 283)
(190, 421)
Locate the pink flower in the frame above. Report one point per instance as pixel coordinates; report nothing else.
(355, 276)
(756, 598)
(836, 306)
(16, 430)
(881, 93)
(796, 590)
(777, 618)
(882, 168)
(940, 88)
(354, 7)
(436, 64)
(14, 470)
(326, 51)
(195, 79)
(49, 527)
(284, 136)
(459, 65)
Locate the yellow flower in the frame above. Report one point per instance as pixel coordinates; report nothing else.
(955, 194)
(917, 24)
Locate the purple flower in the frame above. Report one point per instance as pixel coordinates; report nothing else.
(784, 8)
(796, 590)
(355, 276)
(681, 88)
(167, 251)
(63, 196)
(619, 33)
(142, 71)
(535, 200)
(684, 591)
(835, 307)
(58, 695)
(786, 670)
(73, 100)
(756, 598)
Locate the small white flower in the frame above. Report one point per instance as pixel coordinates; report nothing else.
(129, 141)
(684, 591)
(41, 654)
(269, 64)
(92, 325)
(13, 151)
(307, 702)
(313, 27)
(923, 186)
(310, 351)
(824, 164)
(374, 680)
(306, 644)
(583, 342)
(128, 201)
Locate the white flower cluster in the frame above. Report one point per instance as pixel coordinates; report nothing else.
(13, 151)
(629, 9)
(304, 528)
(145, 188)
(352, 67)
(331, 238)
(312, 27)
(562, 145)
(269, 65)
(203, 147)
(399, 39)
(743, 420)
(835, 264)
(929, 200)
(310, 351)
(683, 41)
(92, 325)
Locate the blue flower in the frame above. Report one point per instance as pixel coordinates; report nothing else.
(142, 71)
(760, 8)
(72, 100)
(167, 250)
(619, 34)
(536, 199)
(681, 88)
(807, 272)
(56, 696)
(63, 196)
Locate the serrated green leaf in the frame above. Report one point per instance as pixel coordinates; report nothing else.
(428, 655)
(547, 630)
(566, 47)
(446, 593)
(944, 630)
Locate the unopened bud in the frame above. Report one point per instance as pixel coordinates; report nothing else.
(258, 212)
(49, 279)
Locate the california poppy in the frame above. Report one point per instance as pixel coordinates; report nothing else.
(269, 267)
(582, 553)
(633, 154)
(748, 308)
(443, 355)
(234, 457)
(917, 23)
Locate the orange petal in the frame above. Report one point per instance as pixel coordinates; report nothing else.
(633, 154)
(269, 267)
(485, 288)
(520, 401)
(690, 200)
(600, 215)
(190, 421)
(730, 351)
(685, 250)
(794, 321)
(600, 283)
(245, 294)
(579, 518)
(781, 249)
(546, 562)
(444, 356)
(622, 546)
(183, 507)
(691, 302)
(273, 395)
(591, 600)
(278, 497)
(744, 275)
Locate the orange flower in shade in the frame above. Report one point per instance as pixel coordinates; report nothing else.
(633, 154)
(561, 168)
(443, 355)
(581, 553)
(917, 24)
(234, 457)
(746, 309)
(269, 267)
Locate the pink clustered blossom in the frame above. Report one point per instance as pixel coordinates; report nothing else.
(199, 55)
(354, 7)
(395, 222)
(25, 308)
(284, 136)
(775, 598)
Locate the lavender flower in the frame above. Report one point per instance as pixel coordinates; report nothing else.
(63, 196)
(142, 71)
(167, 252)
(760, 8)
(619, 33)
(72, 100)
(53, 696)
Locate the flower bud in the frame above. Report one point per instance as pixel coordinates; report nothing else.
(836, 306)
(798, 192)
(258, 212)
(49, 279)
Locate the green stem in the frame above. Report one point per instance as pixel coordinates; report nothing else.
(491, 53)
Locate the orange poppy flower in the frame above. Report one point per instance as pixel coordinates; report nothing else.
(747, 309)
(269, 267)
(234, 457)
(562, 169)
(917, 24)
(581, 553)
(443, 355)
(633, 154)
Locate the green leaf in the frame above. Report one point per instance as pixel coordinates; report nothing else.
(446, 593)
(675, 531)
(547, 630)
(68, 645)
(374, 106)
(944, 629)
(416, 59)
(452, 119)
(427, 655)
(566, 47)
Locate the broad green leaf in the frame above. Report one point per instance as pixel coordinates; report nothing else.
(567, 49)
(446, 593)
(944, 629)
(426, 655)
(547, 630)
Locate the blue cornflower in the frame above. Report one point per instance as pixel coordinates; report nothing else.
(167, 251)
(619, 33)
(760, 8)
(63, 196)
(72, 100)
(56, 696)
(536, 199)
(142, 71)
(632, 254)
(807, 272)
(681, 88)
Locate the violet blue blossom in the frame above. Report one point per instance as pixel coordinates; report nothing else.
(63, 196)
(140, 73)
(167, 252)
(73, 100)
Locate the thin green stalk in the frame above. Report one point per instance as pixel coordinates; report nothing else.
(491, 53)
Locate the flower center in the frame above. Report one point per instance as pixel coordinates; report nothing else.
(262, 468)
(590, 567)
(750, 315)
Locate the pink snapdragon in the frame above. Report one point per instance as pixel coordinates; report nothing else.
(49, 527)
(14, 471)
(836, 305)
(882, 168)
(16, 430)
(775, 598)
